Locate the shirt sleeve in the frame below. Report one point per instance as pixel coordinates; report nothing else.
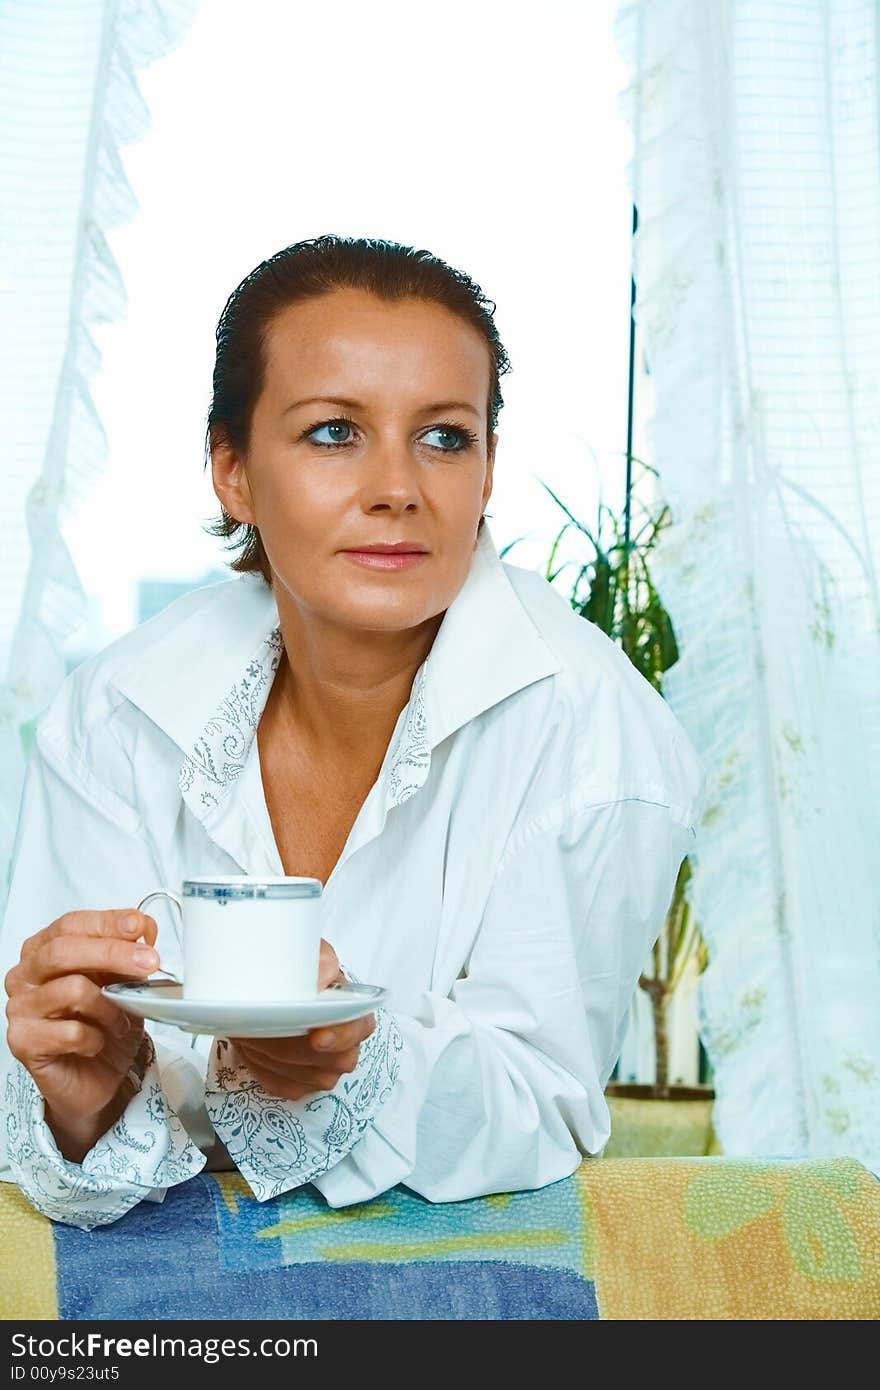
(146, 1149)
(279, 1144)
(78, 846)
(500, 1083)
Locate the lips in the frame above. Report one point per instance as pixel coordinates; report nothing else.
(397, 548)
(388, 559)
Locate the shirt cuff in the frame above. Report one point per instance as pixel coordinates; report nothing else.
(279, 1144)
(146, 1149)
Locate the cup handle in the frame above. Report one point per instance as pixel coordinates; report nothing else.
(164, 893)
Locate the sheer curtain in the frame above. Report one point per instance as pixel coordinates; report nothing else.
(756, 173)
(68, 100)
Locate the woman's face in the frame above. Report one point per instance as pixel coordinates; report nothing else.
(370, 429)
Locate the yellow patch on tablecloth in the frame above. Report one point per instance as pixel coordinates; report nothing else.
(28, 1287)
(745, 1239)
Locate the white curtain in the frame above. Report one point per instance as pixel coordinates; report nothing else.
(756, 174)
(68, 100)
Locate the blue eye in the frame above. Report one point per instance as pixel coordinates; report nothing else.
(465, 437)
(331, 425)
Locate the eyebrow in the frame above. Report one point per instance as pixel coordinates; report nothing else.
(358, 405)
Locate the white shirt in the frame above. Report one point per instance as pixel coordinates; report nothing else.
(506, 877)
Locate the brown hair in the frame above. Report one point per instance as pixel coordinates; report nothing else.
(304, 271)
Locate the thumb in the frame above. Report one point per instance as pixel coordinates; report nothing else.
(328, 969)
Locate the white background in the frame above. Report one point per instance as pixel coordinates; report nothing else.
(484, 133)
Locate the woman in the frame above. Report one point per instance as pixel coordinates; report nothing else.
(496, 802)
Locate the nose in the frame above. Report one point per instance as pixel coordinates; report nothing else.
(392, 480)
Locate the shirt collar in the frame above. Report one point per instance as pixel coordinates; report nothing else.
(207, 690)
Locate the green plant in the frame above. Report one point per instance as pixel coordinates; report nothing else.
(613, 588)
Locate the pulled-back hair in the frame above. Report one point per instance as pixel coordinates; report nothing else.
(303, 271)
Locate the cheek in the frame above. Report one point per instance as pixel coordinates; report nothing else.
(312, 492)
(295, 501)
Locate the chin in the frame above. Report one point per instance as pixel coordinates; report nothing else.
(395, 613)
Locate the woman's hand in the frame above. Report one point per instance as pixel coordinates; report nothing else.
(78, 1045)
(295, 1067)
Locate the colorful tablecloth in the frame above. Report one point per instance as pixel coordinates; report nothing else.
(713, 1237)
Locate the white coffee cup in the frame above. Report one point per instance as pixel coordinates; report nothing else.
(246, 939)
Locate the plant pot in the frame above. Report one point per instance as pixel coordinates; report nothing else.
(660, 1121)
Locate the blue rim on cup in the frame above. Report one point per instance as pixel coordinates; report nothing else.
(237, 887)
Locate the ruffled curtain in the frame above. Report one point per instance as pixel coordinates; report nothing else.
(68, 100)
(757, 260)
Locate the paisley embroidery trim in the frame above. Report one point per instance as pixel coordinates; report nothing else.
(412, 757)
(220, 751)
(147, 1147)
(278, 1144)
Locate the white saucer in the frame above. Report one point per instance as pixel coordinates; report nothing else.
(161, 1000)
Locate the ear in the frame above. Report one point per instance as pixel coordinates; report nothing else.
(230, 482)
(490, 466)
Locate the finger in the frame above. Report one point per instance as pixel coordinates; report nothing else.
(120, 1052)
(35, 1040)
(316, 1072)
(328, 969)
(71, 996)
(278, 1052)
(342, 1035)
(125, 922)
(283, 1090)
(141, 925)
(273, 1056)
(341, 1061)
(96, 955)
(292, 1085)
(319, 1044)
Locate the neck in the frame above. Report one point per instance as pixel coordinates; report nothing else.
(341, 689)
